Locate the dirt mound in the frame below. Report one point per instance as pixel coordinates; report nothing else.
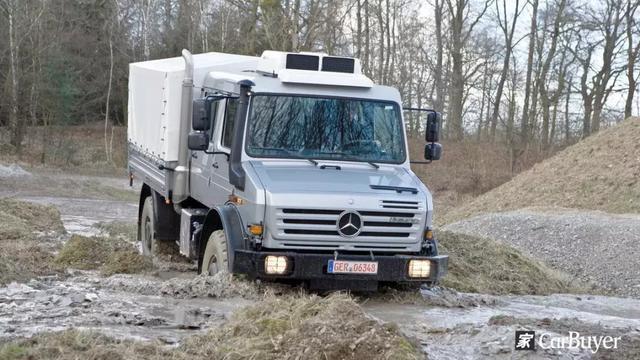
(19, 219)
(303, 326)
(111, 256)
(28, 234)
(601, 172)
(487, 266)
(22, 260)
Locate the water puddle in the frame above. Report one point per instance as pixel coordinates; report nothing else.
(49, 305)
(481, 332)
(80, 216)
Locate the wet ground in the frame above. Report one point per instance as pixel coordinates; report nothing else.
(481, 332)
(170, 305)
(84, 302)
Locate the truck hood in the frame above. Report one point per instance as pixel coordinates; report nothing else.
(304, 177)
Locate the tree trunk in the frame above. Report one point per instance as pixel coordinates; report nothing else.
(107, 109)
(508, 32)
(632, 57)
(567, 125)
(438, 75)
(524, 124)
(14, 124)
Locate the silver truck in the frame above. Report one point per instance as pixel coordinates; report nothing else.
(288, 166)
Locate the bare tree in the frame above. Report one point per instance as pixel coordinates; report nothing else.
(609, 23)
(533, 29)
(508, 31)
(462, 23)
(543, 86)
(633, 52)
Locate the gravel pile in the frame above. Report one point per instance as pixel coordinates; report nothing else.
(593, 246)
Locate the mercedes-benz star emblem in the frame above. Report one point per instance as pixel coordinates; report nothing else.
(349, 224)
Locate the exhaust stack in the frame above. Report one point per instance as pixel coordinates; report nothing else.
(181, 173)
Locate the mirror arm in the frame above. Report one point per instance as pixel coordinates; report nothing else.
(216, 153)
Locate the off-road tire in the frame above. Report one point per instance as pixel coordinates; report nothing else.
(147, 234)
(215, 257)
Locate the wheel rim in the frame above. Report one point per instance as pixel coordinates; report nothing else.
(213, 266)
(147, 234)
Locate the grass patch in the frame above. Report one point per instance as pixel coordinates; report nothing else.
(483, 265)
(22, 255)
(75, 344)
(85, 253)
(126, 262)
(23, 259)
(109, 255)
(13, 227)
(19, 219)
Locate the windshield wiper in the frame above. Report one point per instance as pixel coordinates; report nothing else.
(290, 154)
(351, 158)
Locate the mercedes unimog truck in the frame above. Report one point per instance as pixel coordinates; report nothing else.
(288, 166)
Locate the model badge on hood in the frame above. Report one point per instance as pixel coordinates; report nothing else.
(404, 220)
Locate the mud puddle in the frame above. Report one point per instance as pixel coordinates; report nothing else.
(48, 304)
(488, 332)
(80, 216)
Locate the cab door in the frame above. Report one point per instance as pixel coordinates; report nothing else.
(220, 163)
(201, 169)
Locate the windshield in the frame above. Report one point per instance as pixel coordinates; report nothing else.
(325, 128)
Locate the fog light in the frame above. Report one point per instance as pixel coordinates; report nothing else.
(275, 264)
(419, 268)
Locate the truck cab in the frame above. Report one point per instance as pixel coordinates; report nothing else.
(295, 166)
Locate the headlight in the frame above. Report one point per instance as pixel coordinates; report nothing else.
(419, 268)
(276, 265)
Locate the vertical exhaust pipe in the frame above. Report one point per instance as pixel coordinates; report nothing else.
(181, 173)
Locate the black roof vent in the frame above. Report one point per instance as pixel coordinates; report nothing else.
(303, 62)
(338, 64)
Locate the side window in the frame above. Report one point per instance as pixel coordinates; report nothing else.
(229, 119)
(214, 115)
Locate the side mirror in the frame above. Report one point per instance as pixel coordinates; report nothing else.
(198, 141)
(201, 117)
(432, 132)
(432, 151)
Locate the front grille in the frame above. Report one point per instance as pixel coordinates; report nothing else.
(395, 226)
(396, 204)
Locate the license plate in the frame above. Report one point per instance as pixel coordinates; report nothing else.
(352, 267)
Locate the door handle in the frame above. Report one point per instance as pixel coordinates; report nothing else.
(215, 165)
(194, 155)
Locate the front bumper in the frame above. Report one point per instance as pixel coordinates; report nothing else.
(313, 266)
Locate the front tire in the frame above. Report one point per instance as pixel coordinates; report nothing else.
(215, 259)
(147, 226)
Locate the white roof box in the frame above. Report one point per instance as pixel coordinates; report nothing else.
(313, 68)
